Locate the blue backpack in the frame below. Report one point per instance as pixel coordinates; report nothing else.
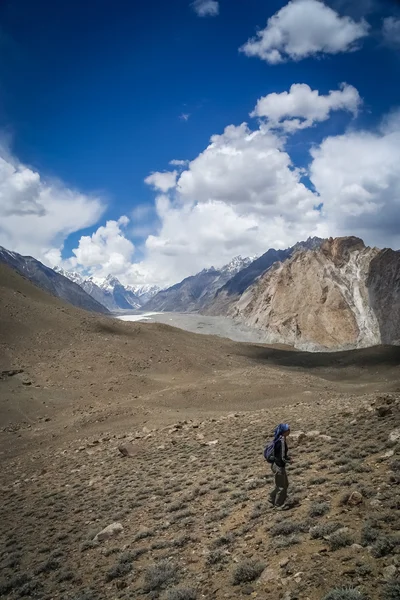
(269, 453)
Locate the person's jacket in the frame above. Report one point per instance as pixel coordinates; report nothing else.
(281, 453)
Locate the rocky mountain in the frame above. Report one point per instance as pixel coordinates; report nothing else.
(195, 292)
(341, 295)
(50, 281)
(110, 293)
(229, 293)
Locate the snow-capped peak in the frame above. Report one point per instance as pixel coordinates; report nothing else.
(71, 275)
(237, 264)
(110, 283)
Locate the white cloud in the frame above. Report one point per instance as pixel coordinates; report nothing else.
(305, 28)
(302, 107)
(37, 215)
(184, 116)
(391, 31)
(206, 8)
(178, 163)
(106, 251)
(162, 181)
(357, 176)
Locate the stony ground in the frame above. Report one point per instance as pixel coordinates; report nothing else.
(186, 511)
(192, 518)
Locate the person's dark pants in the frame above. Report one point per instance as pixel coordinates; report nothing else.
(279, 493)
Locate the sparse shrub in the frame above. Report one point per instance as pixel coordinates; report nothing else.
(11, 584)
(52, 564)
(317, 480)
(217, 516)
(320, 531)
(118, 570)
(223, 540)
(247, 571)
(340, 539)
(319, 509)
(214, 557)
(287, 528)
(175, 506)
(391, 591)
(160, 544)
(363, 570)
(30, 588)
(65, 575)
(384, 545)
(255, 483)
(344, 594)
(368, 534)
(143, 534)
(156, 576)
(286, 542)
(181, 594)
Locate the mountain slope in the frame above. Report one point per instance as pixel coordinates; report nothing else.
(194, 292)
(229, 293)
(343, 295)
(50, 281)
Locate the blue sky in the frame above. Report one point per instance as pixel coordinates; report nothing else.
(95, 96)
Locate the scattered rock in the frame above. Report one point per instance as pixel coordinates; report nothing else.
(389, 572)
(128, 449)
(284, 562)
(394, 436)
(388, 454)
(268, 574)
(355, 499)
(212, 443)
(108, 532)
(383, 411)
(325, 438)
(375, 503)
(298, 437)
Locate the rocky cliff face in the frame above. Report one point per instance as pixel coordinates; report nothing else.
(343, 295)
(228, 294)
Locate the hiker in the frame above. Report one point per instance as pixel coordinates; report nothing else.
(277, 455)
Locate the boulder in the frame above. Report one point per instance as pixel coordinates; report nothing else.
(389, 572)
(355, 499)
(128, 449)
(394, 436)
(383, 411)
(108, 532)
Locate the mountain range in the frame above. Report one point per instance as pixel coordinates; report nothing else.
(110, 292)
(51, 281)
(195, 292)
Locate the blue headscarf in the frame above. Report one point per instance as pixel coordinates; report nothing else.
(280, 430)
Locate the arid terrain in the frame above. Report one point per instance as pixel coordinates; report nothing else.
(159, 432)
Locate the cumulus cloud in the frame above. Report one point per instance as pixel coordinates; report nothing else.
(305, 28)
(106, 251)
(357, 176)
(391, 31)
(37, 215)
(302, 107)
(206, 8)
(162, 181)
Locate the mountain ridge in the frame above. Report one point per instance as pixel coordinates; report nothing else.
(195, 291)
(50, 280)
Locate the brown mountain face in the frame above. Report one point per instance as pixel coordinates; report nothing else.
(343, 295)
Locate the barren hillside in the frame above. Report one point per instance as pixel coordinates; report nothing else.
(186, 506)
